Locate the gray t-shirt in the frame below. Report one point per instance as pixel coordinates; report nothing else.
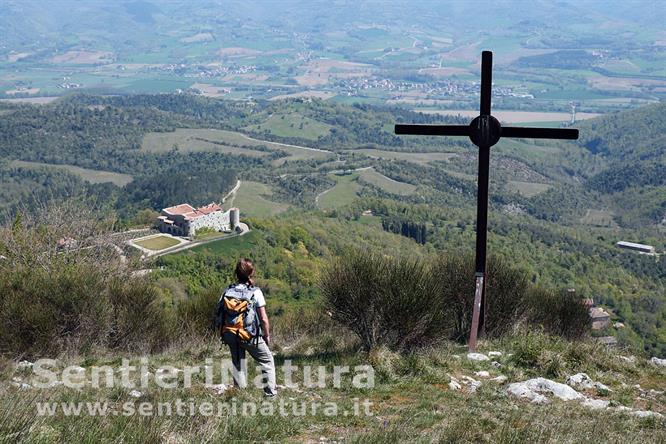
(258, 294)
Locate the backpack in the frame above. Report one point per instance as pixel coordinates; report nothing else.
(237, 313)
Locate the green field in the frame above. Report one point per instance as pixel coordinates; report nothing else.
(230, 142)
(387, 184)
(229, 247)
(421, 158)
(92, 176)
(293, 125)
(252, 198)
(600, 218)
(527, 189)
(343, 193)
(157, 243)
(193, 140)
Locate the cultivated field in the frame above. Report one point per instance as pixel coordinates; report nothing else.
(324, 95)
(527, 189)
(83, 57)
(343, 193)
(193, 140)
(600, 218)
(32, 100)
(321, 71)
(293, 125)
(230, 142)
(92, 176)
(209, 90)
(386, 183)
(198, 38)
(421, 158)
(253, 200)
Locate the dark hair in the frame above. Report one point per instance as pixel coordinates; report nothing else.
(245, 271)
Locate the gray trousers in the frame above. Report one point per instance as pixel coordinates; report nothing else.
(260, 352)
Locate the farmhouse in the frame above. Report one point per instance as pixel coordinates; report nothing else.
(599, 317)
(185, 220)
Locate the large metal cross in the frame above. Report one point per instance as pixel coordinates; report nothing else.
(484, 131)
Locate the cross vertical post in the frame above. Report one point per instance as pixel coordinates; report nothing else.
(484, 131)
(482, 205)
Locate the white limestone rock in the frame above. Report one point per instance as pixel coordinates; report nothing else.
(658, 362)
(595, 404)
(501, 379)
(477, 357)
(218, 389)
(494, 354)
(24, 365)
(482, 374)
(496, 364)
(520, 390)
(581, 381)
(454, 385)
(532, 389)
(135, 394)
(474, 386)
(646, 414)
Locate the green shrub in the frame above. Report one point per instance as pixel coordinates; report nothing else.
(384, 300)
(559, 313)
(402, 302)
(196, 313)
(63, 287)
(77, 307)
(506, 289)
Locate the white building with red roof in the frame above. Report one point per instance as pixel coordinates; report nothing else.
(185, 220)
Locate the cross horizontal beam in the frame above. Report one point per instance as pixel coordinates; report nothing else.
(505, 131)
(433, 130)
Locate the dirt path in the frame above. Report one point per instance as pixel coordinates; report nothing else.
(233, 191)
(322, 193)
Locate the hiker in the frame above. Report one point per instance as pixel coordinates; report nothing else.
(244, 327)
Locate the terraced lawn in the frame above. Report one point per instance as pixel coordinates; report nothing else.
(157, 243)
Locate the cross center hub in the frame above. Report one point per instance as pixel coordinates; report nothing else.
(485, 131)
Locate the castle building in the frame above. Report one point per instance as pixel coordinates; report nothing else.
(185, 220)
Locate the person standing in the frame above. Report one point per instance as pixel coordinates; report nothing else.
(244, 327)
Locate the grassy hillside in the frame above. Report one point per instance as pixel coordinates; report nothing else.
(550, 211)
